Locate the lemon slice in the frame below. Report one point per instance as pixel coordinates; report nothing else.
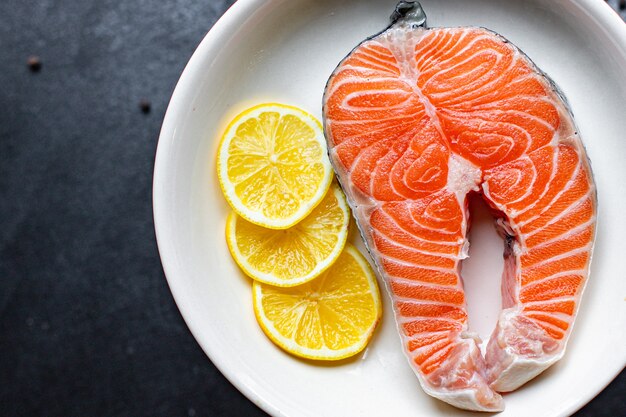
(329, 318)
(296, 255)
(272, 165)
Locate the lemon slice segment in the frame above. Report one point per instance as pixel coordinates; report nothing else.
(272, 165)
(296, 255)
(329, 318)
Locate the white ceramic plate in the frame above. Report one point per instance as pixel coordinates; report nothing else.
(284, 50)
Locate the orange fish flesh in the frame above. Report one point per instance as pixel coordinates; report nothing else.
(416, 118)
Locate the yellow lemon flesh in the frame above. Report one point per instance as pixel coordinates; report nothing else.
(272, 165)
(296, 255)
(329, 318)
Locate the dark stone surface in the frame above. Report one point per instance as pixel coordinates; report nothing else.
(87, 323)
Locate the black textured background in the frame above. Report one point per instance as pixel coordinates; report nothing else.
(87, 324)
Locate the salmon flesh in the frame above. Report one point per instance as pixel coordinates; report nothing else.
(416, 118)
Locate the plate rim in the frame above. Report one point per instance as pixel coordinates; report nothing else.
(598, 9)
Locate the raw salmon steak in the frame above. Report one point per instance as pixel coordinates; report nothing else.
(416, 118)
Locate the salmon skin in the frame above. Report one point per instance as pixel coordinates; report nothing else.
(416, 118)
